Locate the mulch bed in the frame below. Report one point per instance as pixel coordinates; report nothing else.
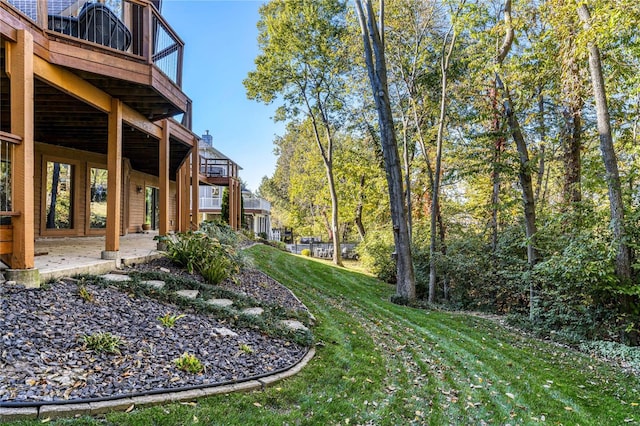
(43, 358)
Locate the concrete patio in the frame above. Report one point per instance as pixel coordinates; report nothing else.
(59, 257)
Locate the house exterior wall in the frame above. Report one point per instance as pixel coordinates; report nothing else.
(132, 201)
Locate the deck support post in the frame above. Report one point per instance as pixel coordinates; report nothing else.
(195, 185)
(20, 72)
(114, 181)
(164, 178)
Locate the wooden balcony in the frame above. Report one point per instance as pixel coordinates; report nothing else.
(217, 171)
(130, 52)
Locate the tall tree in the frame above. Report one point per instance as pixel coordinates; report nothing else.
(524, 172)
(302, 60)
(373, 41)
(623, 258)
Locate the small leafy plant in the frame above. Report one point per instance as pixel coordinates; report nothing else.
(103, 342)
(246, 348)
(188, 363)
(169, 320)
(85, 294)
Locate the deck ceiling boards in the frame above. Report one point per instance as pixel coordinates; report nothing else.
(62, 120)
(142, 98)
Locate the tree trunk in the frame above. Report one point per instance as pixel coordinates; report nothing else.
(498, 148)
(524, 173)
(623, 263)
(358, 219)
(542, 129)
(572, 136)
(55, 180)
(373, 47)
(435, 200)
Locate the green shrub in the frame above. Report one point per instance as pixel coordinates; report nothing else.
(103, 342)
(201, 252)
(188, 363)
(306, 252)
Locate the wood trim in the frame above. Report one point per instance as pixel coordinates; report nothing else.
(70, 83)
(11, 138)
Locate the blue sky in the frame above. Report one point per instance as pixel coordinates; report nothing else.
(220, 47)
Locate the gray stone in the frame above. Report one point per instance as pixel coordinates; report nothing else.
(11, 414)
(67, 410)
(225, 332)
(187, 294)
(157, 284)
(116, 277)
(220, 302)
(253, 311)
(27, 277)
(294, 325)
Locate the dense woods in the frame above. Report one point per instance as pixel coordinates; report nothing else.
(516, 126)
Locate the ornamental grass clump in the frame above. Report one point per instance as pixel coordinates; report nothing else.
(169, 320)
(199, 251)
(103, 342)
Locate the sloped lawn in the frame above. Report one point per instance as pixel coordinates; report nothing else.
(382, 364)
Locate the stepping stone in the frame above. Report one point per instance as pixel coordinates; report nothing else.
(157, 284)
(225, 332)
(294, 325)
(220, 302)
(253, 311)
(165, 270)
(187, 294)
(117, 277)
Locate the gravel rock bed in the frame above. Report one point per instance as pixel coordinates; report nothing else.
(43, 358)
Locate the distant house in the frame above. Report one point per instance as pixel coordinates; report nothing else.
(257, 211)
(95, 130)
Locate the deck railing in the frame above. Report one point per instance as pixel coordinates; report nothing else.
(132, 26)
(216, 167)
(256, 204)
(207, 203)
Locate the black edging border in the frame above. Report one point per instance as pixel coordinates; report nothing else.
(84, 406)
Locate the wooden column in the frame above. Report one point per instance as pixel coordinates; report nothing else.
(195, 185)
(20, 72)
(186, 194)
(114, 180)
(164, 178)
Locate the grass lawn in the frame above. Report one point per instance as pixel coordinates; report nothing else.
(382, 364)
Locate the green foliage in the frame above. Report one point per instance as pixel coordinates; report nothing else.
(306, 252)
(246, 349)
(85, 294)
(224, 207)
(169, 320)
(103, 342)
(189, 363)
(376, 254)
(201, 252)
(615, 351)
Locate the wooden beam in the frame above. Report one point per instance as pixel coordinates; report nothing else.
(195, 185)
(70, 83)
(114, 178)
(164, 177)
(22, 123)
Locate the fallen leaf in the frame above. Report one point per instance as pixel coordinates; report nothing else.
(568, 408)
(510, 395)
(257, 404)
(47, 420)
(128, 410)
